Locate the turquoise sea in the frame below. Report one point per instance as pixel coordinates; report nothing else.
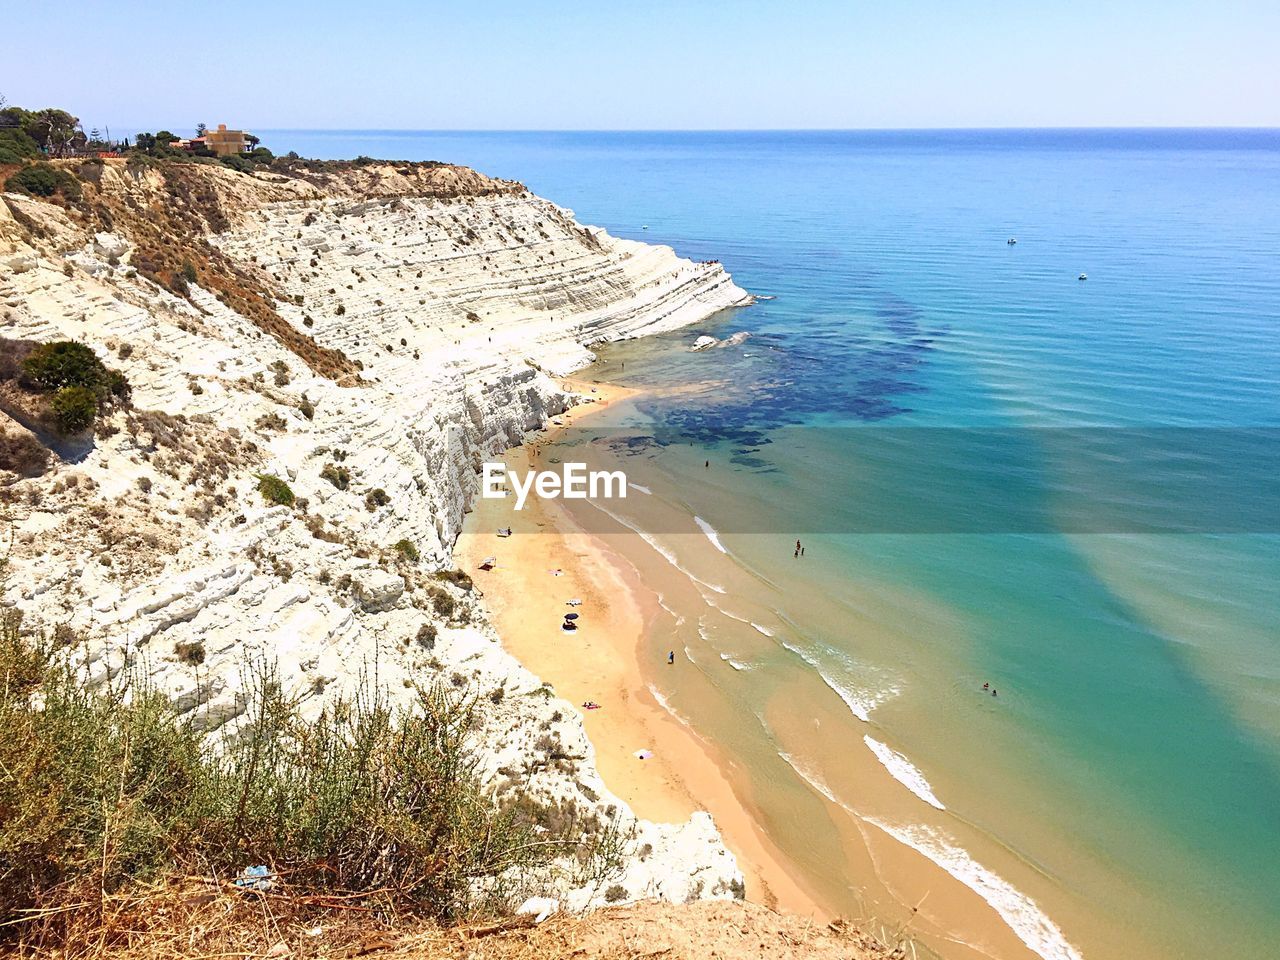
(1133, 759)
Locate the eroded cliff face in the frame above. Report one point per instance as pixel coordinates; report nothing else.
(370, 337)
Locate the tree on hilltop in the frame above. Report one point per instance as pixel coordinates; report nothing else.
(55, 131)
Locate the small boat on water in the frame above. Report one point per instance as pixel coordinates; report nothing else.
(1012, 241)
(1083, 276)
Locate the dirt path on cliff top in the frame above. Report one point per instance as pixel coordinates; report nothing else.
(705, 930)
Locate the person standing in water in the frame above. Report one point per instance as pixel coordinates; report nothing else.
(797, 553)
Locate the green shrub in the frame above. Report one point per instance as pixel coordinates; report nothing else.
(16, 146)
(74, 409)
(237, 162)
(64, 363)
(118, 386)
(375, 498)
(407, 550)
(44, 180)
(39, 180)
(274, 490)
(104, 787)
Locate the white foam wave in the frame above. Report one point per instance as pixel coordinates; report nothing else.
(636, 486)
(657, 545)
(860, 703)
(736, 664)
(662, 602)
(765, 630)
(1020, 912)
(811, 778)
(710, 531)
(904, 771)
(666, 705)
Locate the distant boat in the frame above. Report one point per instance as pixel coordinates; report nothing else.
(1012, 240)
(1083, 276)
(645, 227)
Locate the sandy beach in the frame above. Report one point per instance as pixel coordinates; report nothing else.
(548, 561)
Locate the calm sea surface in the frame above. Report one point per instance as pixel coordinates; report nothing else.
(1133, 757)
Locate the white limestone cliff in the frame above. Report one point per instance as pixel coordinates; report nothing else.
(154, 545)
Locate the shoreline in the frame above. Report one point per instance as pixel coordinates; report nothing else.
(687, 773)
(684, 775)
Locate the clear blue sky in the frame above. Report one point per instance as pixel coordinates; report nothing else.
(557, 64)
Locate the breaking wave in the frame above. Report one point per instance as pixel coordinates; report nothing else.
(859, 702)
(904, 771)
(657, 545)
(1023, 916)
(710, 531)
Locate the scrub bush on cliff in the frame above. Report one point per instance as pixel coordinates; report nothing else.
(74, 409)
(15, 145)
(84, 385)
(63, 363)
(103, 787)
(44, 180)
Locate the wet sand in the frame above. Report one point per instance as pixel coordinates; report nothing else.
(602, 662)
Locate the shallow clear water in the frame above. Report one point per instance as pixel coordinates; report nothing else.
(1134, 756)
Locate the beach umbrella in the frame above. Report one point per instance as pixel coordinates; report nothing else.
(571, 616)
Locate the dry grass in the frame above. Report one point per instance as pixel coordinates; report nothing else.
(204, 917)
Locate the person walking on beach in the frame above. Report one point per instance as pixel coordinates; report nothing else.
(671, 657)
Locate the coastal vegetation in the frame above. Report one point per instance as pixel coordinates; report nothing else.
(106, 787)
(274, 490)
(407, 550)
(29, 133)
(44, 180)
(61, 386)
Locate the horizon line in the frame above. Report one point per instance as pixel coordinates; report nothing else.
(980, 129)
